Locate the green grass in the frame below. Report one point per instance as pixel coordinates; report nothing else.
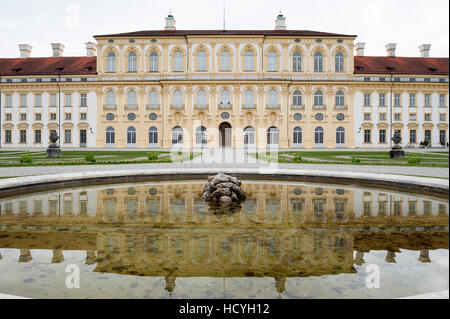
(356, 158)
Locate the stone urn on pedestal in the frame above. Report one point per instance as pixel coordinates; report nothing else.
(54, 150)
(397, 150)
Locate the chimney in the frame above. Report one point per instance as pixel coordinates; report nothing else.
(280, 22)
(425, 50)
(390, 49)
(58, 50)
(170, 22)
(91, 48)
(360, 48)
(25, 50)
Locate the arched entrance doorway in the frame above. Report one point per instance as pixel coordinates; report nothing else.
(226, 135)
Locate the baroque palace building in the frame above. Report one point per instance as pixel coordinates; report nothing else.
(224, 88)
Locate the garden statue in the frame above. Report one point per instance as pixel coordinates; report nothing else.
(397, 150)
(54, 150)
(224, 193)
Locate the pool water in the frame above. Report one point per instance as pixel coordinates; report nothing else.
(160, 240)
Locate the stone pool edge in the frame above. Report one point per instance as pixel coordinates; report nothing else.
(34, 183)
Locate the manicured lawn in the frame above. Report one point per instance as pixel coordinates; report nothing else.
(8, 159)
(356, 157)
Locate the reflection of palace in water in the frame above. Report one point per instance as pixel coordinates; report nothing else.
(282, 230)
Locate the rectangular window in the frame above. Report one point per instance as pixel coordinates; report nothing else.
(83, 116)
(23, 100)
(367, 99)
(367, 136)
(412, 207)
(8, 101)
(382, 136)
(382, 116)
(412, 117)
(412, 100)
(8, 117)
(397, 116)
(441, 100)
(397, 100)
(68, 116)
(397, 208)
(23, 136)
(427, 101)
(37, 136)
(83, 101)
(427, 116)
(442, 117)
(366, 116)
(382, 207)
(68, 100)
(443, 137)
(8, 137)
(53, 100)
(38, 116)
(53, 117)
(426, 207)
(67, 136)
(382, 99)
(23, 116)
(367, 208)
(412, 136)
(38, 100)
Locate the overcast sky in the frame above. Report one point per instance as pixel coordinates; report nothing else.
(409, 23)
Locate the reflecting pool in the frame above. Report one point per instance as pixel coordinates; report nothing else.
(160, 240)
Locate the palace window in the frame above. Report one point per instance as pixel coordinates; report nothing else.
(297, 62)
(297, 99)
(397, 117)
(132, 62)
(110, 100)
(201, 99)
(153, 99)
(442, 117)
(318, 135)
(318, 98)
(23, 116)
(339, 62)
(225, 98)
(273, 99)
(68, 100)
(249, 62)
(340, 135)
(412, 100)
(427, 116)
(340, 99)
(412, 117)
(68, 136)
(110, 136)
(38, 117)
(298, 135)
(412, 136)
(83, 99)
(131, 136)
(367, 136)
(154, 62)
(52, 116)
(397, 100)
(8, 137)
(249, 99)
(225, 61)
(178, 99)
(153, 136)
(318, 62)
(23, 100)
(272, 61)
(37, 136)
(382, 99)
(201, 136)
(83, 116)
(367, 99)
(23, 136)
(201, 61)
(38, 100)
(178, 61)
(52, 100)
(111, 63)
(442, 100)
(177, 136)
(272, 136)
(382, 116)
(132, 100)
(249, 136)
(427, 100)
(382, 136)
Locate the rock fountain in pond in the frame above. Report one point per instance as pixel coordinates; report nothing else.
(224, 192)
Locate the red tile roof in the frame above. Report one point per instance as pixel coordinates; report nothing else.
(182, 33)
(401, 65)
(48, 66)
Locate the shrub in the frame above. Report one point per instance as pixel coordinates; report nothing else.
(153, 156)
(414, 159)
(90, 158)
(298, 158)
(355, 160)
(425, 143)
(26, 158)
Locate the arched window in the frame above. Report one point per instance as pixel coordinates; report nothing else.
(153, 136)
(249, 99)
(131, 100)
(340, 135)
(153, 99)
(132, 62)
(131, 136)
(249, 136)
(201, 61)
(201, 136)
(154, 62)
(339, 62)
(318, 98)
(177, 99)
(111, 62)
(225, 98)
(318, 135)
(297, 99)
(225, 61)
(110, 100)
(177, 136)
(272, 136)
(249, 61)
(201, 99)
(318, 62)
(273, 99)
(298, 137)
(272, 63)
(110, 136)
(297, 62)
(340, 99)
(178, 62)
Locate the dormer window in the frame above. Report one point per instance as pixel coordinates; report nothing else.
(433, 70)
(58, 70)
(360, 68)
(88, 68)
(17, 70)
